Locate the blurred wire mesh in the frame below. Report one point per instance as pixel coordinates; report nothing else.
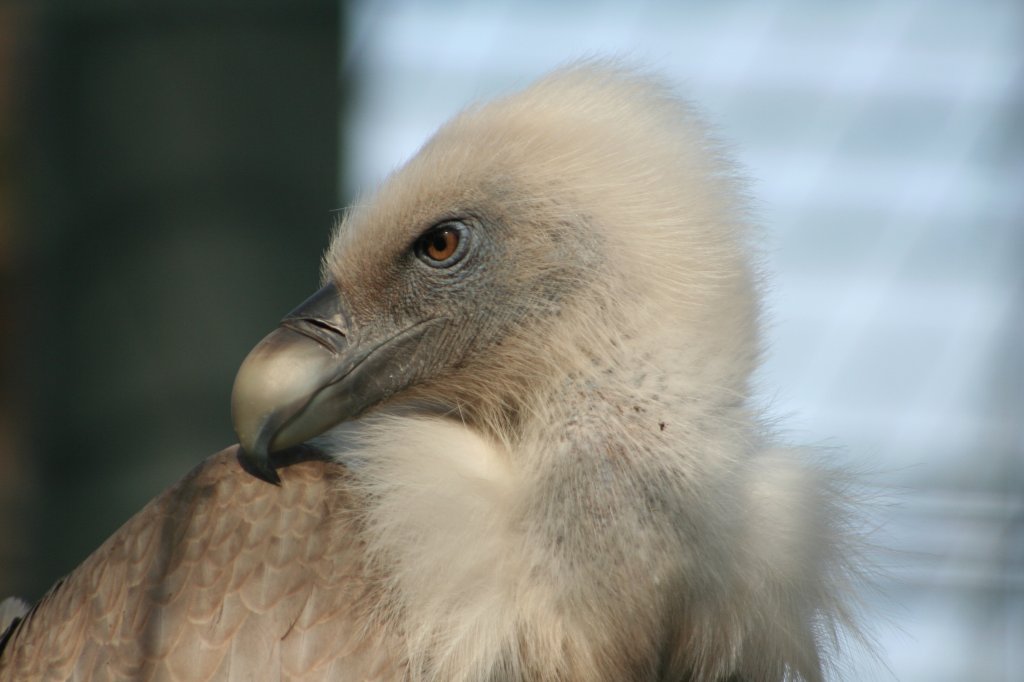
(885, 144)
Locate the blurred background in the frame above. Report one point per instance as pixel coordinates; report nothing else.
(170, 171)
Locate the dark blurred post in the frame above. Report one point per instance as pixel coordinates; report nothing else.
(179, 166)
(15, 478)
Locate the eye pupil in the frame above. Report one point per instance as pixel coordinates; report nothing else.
(441, 243)
(444, 244)
(441, 240)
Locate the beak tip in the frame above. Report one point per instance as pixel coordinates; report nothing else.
(259, 465)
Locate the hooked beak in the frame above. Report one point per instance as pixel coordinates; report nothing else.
(312, 373)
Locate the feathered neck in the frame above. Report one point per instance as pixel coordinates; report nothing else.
(621, 533)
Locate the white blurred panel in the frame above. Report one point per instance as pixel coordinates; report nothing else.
(885, 143)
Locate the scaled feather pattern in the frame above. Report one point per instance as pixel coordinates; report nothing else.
(554, 470)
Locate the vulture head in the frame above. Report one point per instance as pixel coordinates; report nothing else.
(533, 348)
(582, 234)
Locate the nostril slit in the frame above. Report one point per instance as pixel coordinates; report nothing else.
(322, 324)
(331, 337)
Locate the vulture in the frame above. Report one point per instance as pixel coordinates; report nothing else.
(512, 437)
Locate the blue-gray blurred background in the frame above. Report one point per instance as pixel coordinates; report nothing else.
(169, 173)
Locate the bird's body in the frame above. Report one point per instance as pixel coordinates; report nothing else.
(545, 324)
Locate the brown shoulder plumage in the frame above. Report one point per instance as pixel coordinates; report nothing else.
(220, 577)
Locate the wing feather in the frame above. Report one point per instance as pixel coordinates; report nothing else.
(221, 577)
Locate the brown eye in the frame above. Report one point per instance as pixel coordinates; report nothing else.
(440, 246)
